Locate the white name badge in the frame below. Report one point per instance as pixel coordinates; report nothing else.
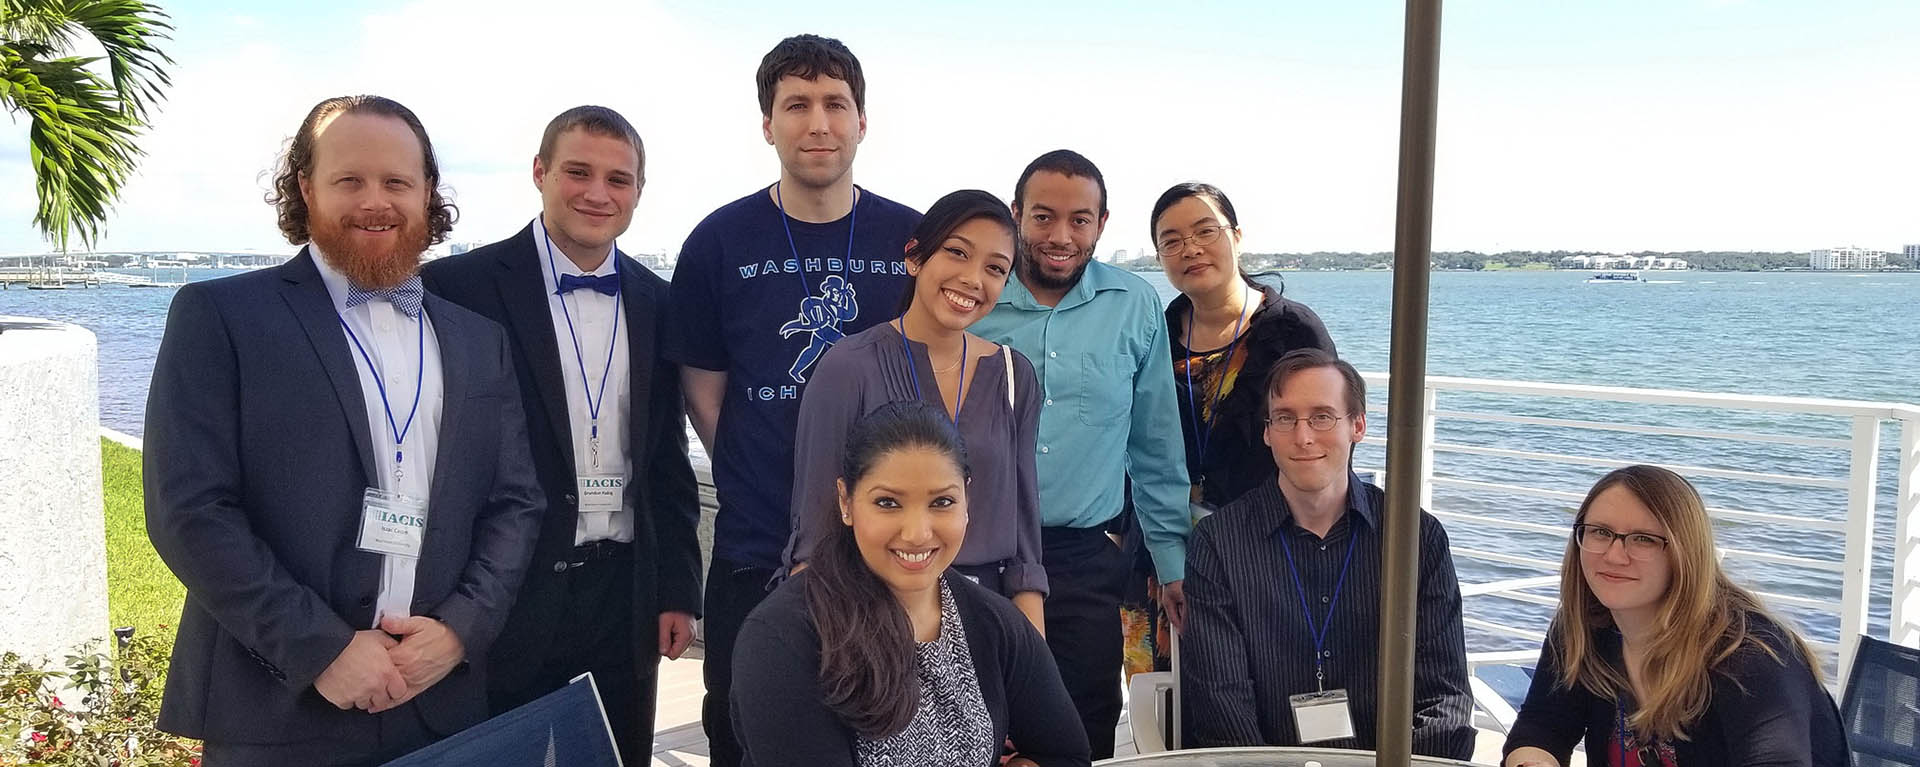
(601, 493)
(1319, 716)
(392, 524)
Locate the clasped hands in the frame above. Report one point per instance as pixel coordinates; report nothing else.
(378, 672)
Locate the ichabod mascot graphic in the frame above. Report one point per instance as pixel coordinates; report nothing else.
(821, 315)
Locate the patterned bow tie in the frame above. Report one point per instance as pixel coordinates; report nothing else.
(405, 296)
(608, 284)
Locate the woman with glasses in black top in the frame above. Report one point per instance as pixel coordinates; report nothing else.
(1226, 330)
(1657, 659)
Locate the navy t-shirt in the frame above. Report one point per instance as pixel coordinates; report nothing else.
(745, 302)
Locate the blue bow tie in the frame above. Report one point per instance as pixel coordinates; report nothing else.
(405, 296)
(608, 284)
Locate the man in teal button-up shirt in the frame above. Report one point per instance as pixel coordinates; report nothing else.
(1098, 341)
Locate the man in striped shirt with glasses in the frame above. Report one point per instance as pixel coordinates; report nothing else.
(1283, 591)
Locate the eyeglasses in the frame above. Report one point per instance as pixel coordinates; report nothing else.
(1595, 539)
(1285, 422)
(1200, 238)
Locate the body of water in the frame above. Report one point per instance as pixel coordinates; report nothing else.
(1848, 336)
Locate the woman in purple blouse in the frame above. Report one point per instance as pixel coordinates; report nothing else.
(959, 259)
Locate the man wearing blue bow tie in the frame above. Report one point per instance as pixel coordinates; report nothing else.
(615, 581)
(337, 470)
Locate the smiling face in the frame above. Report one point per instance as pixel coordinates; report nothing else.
(588, 189)
(1311, 461)
(1060, 222)
(1621, 583)
(367, 197)
(961, 280)
(816, 128)
(1202, 269)
(909, 517)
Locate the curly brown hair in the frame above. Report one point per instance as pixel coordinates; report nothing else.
(297, 161)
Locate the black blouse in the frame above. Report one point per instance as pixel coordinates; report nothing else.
(1236, 460)
(780, 719)
(1762, 712)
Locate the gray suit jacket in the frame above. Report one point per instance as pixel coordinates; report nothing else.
(257, 453)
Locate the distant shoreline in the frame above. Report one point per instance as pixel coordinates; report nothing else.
(1291, 270)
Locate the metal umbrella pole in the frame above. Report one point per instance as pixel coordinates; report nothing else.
(1407, 367)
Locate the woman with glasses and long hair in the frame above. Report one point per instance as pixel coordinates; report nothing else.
(1225, 327)
(1657, 659)
(877, 654)
(959, 259)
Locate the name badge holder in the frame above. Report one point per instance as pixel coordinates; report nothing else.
(1323, 714)
(392, 524)
(600, 496)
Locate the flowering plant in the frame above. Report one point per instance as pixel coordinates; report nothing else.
(98, 712)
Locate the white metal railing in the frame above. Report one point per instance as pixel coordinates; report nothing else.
(1861, 447)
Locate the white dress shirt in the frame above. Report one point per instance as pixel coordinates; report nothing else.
(597, 334)
(401, 356)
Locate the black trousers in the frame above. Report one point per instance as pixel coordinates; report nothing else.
(732, 591)
(596, 634)
(396, 733)
(1086, 574)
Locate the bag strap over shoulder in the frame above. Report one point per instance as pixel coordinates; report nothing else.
(1006, 353)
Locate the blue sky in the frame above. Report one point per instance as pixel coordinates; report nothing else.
(1583, 124)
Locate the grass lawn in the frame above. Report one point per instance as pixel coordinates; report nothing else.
(141, 591)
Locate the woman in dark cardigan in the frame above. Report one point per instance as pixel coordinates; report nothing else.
(1657, 659)
(1225, 330)
(876, 655)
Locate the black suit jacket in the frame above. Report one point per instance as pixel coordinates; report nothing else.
(502, 281)
(257, 455)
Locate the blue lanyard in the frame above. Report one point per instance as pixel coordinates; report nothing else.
(419, 382)
(800, 264)
(1620, 708)
(1320, 635)
(960, 397)
(1202, 430)
(593, 402)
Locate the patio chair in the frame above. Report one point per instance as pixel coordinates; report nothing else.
(1881, 705)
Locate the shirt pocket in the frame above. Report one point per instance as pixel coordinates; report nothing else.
(1106, 382)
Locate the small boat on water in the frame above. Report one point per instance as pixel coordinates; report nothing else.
(1612, 277)
(46, 286)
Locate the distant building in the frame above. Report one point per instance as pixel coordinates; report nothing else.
(1913, 252)
(1851, 259)
(1602, 261)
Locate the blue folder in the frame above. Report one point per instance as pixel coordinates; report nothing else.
(565, 728)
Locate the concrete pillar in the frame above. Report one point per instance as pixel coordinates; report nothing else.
(53, 549)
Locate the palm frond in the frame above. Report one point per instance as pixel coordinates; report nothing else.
(44, 22)
(128, 30)
(81, 142)
(81, 126)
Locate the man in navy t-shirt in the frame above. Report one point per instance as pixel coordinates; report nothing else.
(764, 286)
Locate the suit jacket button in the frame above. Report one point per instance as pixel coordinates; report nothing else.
(366, 601)
(569, 498)
(560, 566)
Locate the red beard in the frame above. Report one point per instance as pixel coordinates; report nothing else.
(371, 267)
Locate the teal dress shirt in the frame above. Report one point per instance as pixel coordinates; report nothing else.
(1107, 373)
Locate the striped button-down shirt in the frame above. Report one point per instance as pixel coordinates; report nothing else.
(1247, 647)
